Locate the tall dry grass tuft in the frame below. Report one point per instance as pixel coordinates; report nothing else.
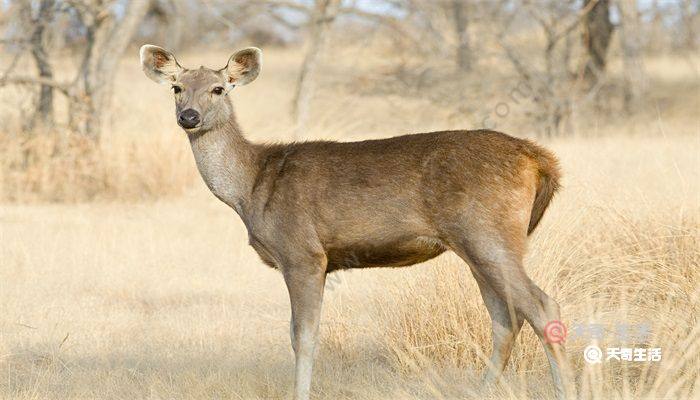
(607, 268)
(439, 318)
(65, 167)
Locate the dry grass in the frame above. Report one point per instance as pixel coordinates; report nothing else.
(65, 167)
(164, 299)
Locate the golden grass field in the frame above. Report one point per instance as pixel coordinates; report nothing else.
(150, 291)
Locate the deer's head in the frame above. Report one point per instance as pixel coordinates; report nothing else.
(201, 95)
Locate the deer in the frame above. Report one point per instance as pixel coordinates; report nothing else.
(308, 206)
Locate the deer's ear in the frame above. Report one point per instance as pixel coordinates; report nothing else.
(159, 64)
(244, 66)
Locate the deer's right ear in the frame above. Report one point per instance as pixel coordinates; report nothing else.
(159, 64)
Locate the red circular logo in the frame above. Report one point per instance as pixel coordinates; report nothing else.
(554, 332)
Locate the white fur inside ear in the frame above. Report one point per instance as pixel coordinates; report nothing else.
(244, 66)
(159, 64)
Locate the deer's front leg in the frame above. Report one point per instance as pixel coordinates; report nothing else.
(305, 283)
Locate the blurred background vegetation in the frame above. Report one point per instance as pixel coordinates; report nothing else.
(548, 68)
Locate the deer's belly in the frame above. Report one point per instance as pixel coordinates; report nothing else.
(393, 254)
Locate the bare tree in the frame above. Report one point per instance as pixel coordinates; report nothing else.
(107, 34)
(689, 14)
(168, 15)
(44, 109)
(461, 23)
(597, 32)
(550, 86)
(631, 44)
(322, 17)
(107, 37)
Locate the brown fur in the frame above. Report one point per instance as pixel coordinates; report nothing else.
(311, 208)
(550, 176)
(160, 59)
(433, 178)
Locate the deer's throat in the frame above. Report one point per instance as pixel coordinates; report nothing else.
(226, 162)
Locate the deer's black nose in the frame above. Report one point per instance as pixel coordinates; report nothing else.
(188, 119)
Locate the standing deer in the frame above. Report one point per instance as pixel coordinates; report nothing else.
(394, 202)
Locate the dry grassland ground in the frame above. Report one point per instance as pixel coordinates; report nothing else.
(163, 299)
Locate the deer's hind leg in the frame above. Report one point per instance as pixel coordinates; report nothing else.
(495, 254)
(505, 327)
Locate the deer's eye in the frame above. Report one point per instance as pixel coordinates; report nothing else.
(218, 90)
(177, 89)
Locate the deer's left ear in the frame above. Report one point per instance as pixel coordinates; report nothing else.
(243, 67)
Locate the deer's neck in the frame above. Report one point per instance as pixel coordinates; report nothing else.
(227, 163)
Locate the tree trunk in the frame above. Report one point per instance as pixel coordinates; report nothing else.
(169, 15)
(598, 30)
(107, 39)
(689, 12)
(461, 23)
(631, 42)
(321, 20)
(43, 114)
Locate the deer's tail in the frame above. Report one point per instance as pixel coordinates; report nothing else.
(549, 176)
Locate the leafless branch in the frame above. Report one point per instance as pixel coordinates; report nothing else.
(554, 34)
(290, 5)
(31, 80)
